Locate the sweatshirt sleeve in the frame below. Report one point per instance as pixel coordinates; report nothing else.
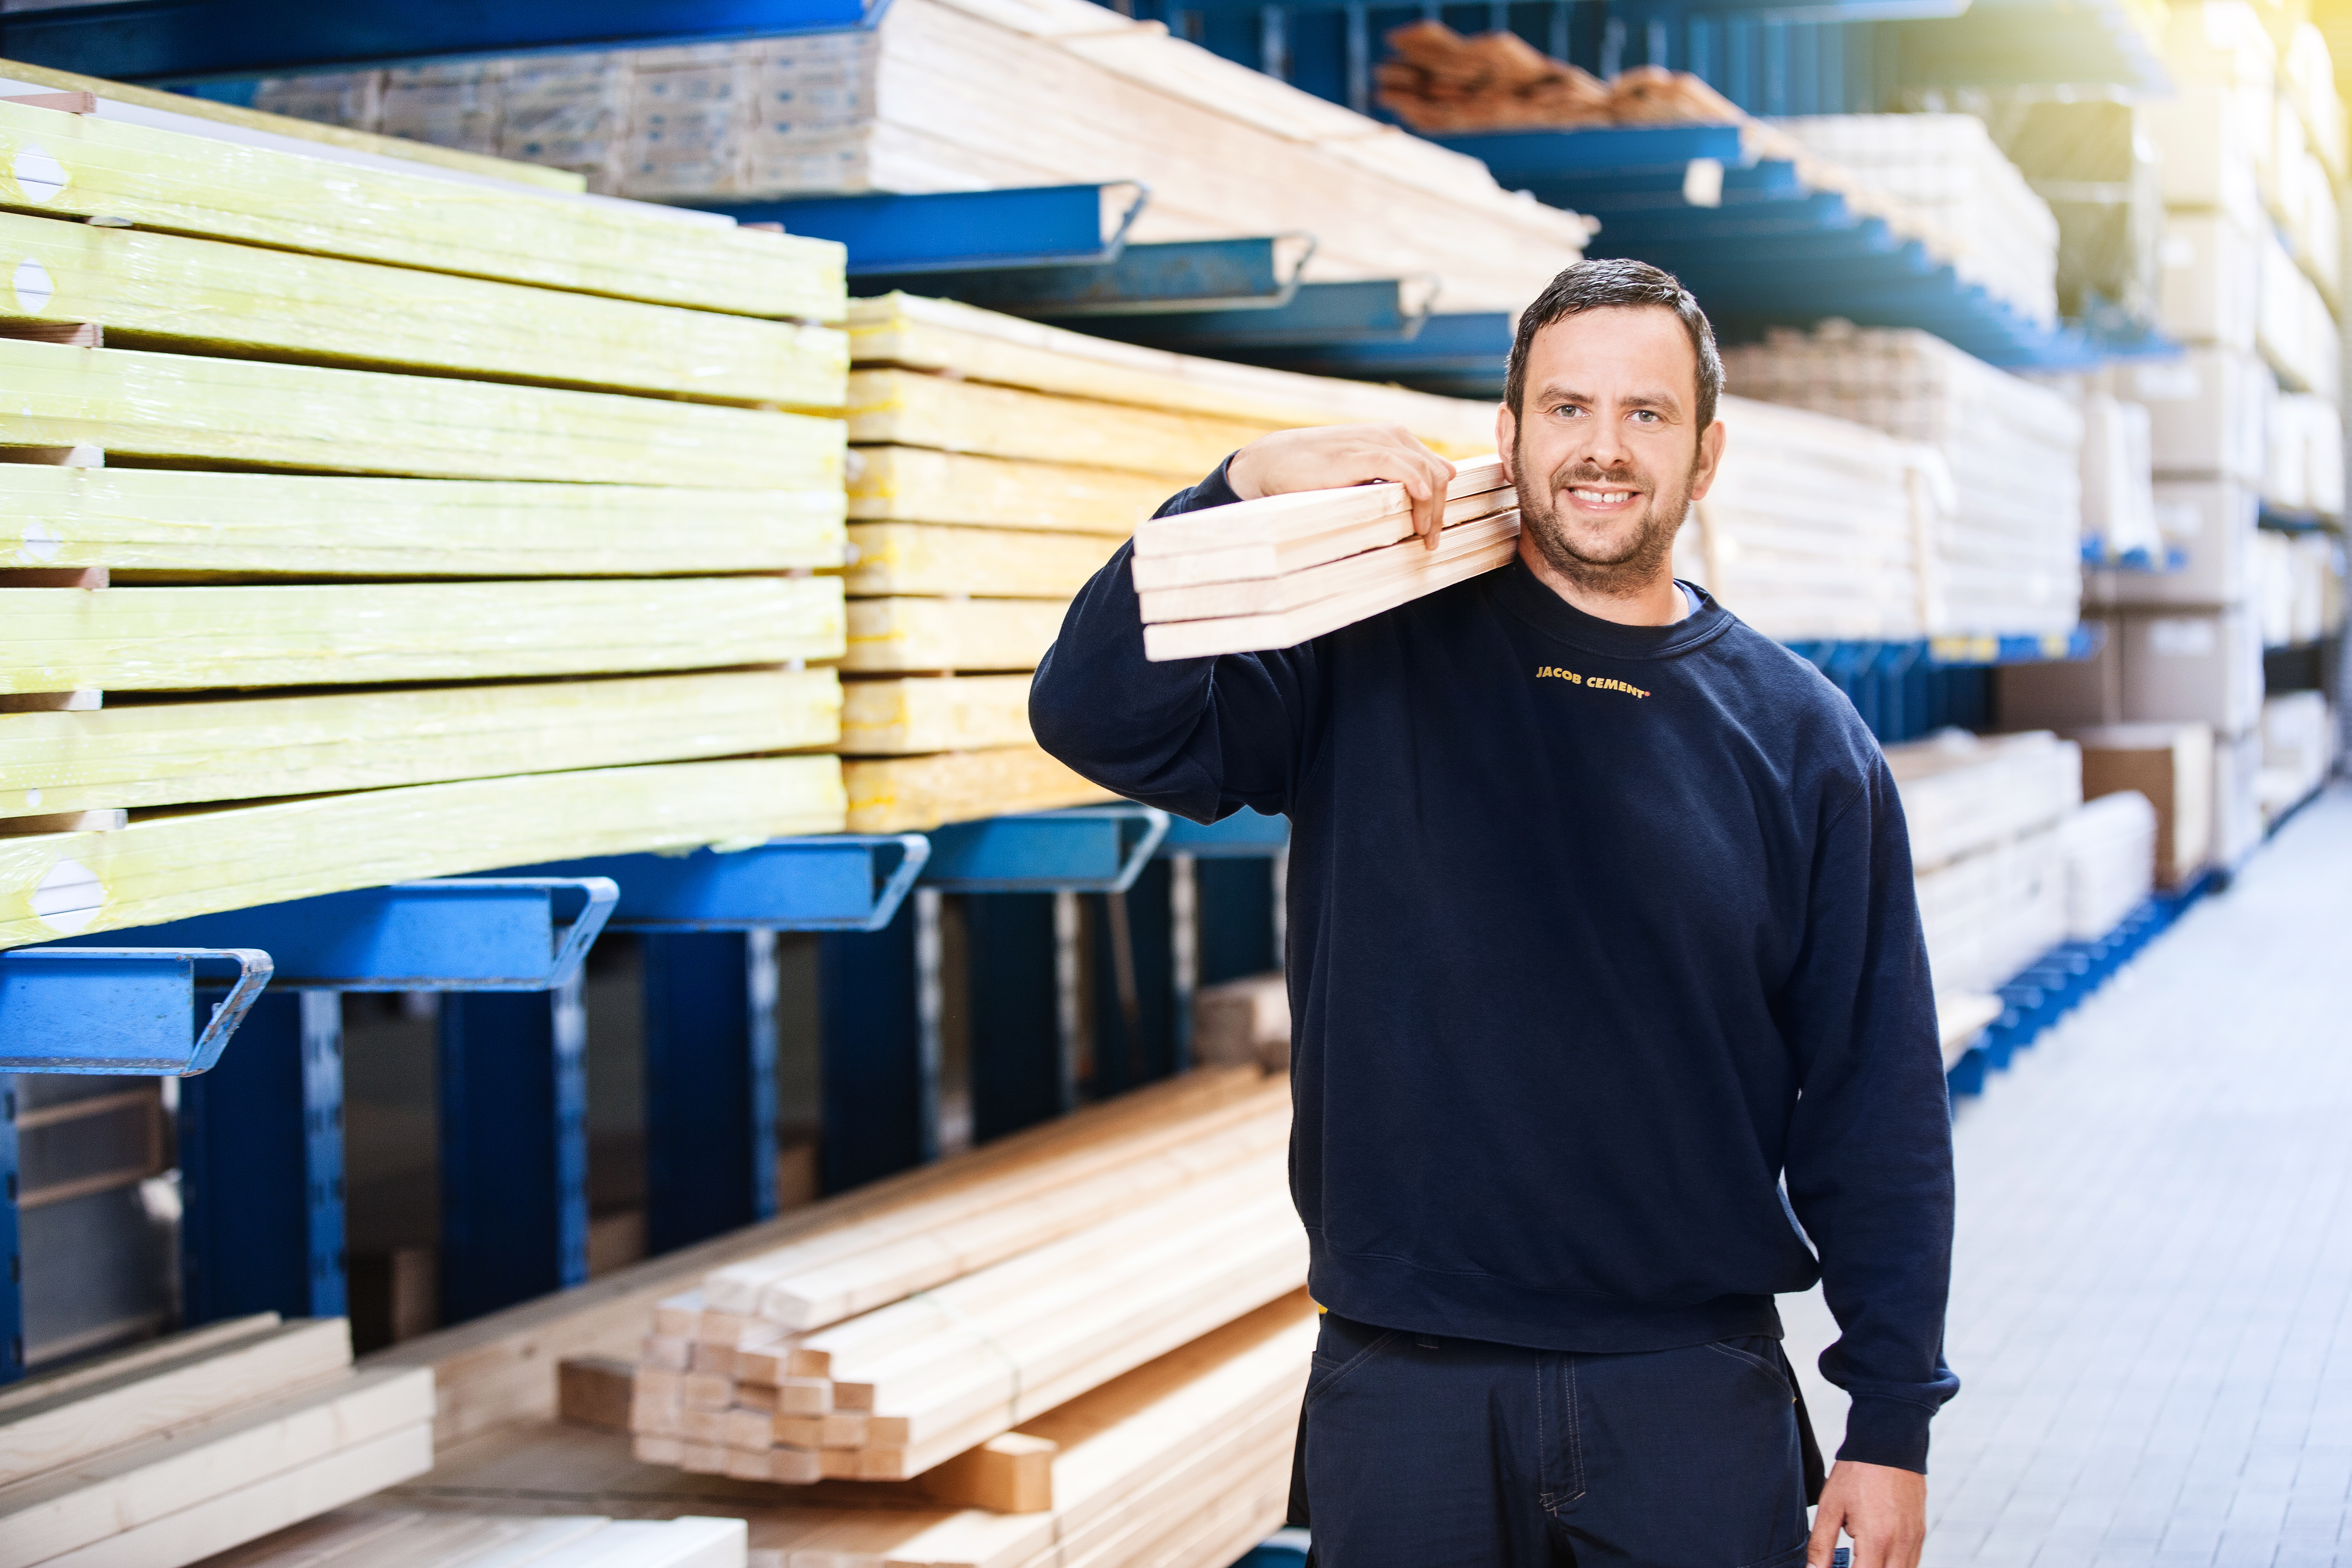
(1870, 1148)
(1200, 737)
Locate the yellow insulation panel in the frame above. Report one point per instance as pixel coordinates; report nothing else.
(911, 794)
(984, 346)
(170, 291)
(194, 520)
(80, 166)
(907, 408)
(254, 748)
(168, 639)
(176, 865)
(186, 408)
(911, 484)
(886, 636)
(890, 718)
(924, 558)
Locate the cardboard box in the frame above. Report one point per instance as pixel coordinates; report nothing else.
(2172, 765)
(2205, 148)
(2212, 524)
(2206, 412)
(2201, 666)
(2209, 278)
(2063, 695)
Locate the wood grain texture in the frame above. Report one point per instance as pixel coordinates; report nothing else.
(926, 558)
(914, 485)
(177, 520)
(1411, 574)
(182, 407)
(905, 633)
(162, 639)
(168, 867)
(262, 747)
(161, 291)
(190, 185)
(907, 408)
(913, 714)
(911, 794)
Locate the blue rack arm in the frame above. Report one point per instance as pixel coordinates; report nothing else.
(1373, 310)
(957, 231)
(122, 1010)
(452, 933)
(1189, 275)
(1086, 850)
(1246, 835)
(834, 882)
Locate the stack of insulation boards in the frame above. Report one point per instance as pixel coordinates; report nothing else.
(2007, 560)
(998, 464)
(190, 1445)
(883, 1349)
(961, 95)
(1987, 816)
(449, 525)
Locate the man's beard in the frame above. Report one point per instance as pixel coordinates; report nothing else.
(1625, 573)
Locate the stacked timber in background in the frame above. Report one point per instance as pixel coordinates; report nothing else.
(1441, 83)
(2007, 560)
(399, 449)
(881, 1351)
(997, 464)
(376, 1538)
(195, 1443)
(918, 103)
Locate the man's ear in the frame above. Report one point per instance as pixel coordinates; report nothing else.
(1710, 457)
(1507, 435)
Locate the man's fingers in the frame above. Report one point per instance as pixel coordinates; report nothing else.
(1822, 1545)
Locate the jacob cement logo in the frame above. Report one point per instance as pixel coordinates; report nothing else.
(1596, 682)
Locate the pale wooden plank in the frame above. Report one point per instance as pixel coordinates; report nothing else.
(1415, 574)
(1276, 521)
(911, 794)
(907, 408)
(1297, 589)
(44, 1385)
(912, 714)
(908, 633)
(929, 558)
(914, 485)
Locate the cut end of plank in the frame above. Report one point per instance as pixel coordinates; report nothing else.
(595, 1391)
(1013, 1473)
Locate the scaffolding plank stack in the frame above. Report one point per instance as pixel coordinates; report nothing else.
(468, 526)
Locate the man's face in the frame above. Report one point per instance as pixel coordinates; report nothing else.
(1609, 455)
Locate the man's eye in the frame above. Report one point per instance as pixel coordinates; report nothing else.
(1647, 417)
(1567, 408)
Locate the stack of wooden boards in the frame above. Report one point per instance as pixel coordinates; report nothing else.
(883, 1351)
(386, 1538)
(2007, 558)
(1441, 83)
(190, 1445)
(997, 464)
(284, 414)
(1273, 573)
(920, 102)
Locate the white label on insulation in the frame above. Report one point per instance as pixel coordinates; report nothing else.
(69, 898)
(41, 543)
(38, 175)
(34, 287)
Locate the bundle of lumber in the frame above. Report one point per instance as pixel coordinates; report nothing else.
(190, 1445)
(1442, 84)
(2007, 560)
(466, 523)
(388, 1537)
(1987, 816)
(1183, 1462)
(918, 102)
(998, 463)
(883, 1351)
(1282, 569)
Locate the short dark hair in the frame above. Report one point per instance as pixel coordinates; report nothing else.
(1598, 285)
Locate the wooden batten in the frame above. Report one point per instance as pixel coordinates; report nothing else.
(903, 633)
(912, 795)
(928, 558)
(907, 408)
(913, 484)
(907, 716)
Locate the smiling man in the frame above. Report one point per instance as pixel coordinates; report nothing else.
(1607, 977)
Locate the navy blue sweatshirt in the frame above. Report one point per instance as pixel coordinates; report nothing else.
(1596, 932)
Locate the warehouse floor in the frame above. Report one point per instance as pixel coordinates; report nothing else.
(2154, 1270)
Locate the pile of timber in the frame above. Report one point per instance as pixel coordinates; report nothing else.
(997, 464)
(199, 1442)
(1281, 569)
(388, 1537)
(317, 464)
(920, 102)
(2007, 558)
(1443, 84)
(883, 1351)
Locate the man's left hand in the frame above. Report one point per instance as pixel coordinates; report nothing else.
(1884, 1510)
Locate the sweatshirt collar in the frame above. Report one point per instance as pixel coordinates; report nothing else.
(1524, 596)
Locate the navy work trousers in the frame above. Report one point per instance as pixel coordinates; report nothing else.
(1421, 1452)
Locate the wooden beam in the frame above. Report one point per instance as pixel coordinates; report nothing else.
(913, 794)
(44, 1385)
(1297, 590)
(907, 408)
(254, 748)
(162, 639)
(161, 291)
(926, 558)
(183, 522)
(593, 1391)
(184, 407)
(1382, 514)
(914, 485)
(901, 632)
(913, 714)
(191, 184)
(170, 866)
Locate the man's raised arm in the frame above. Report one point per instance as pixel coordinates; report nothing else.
(1203, 737)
